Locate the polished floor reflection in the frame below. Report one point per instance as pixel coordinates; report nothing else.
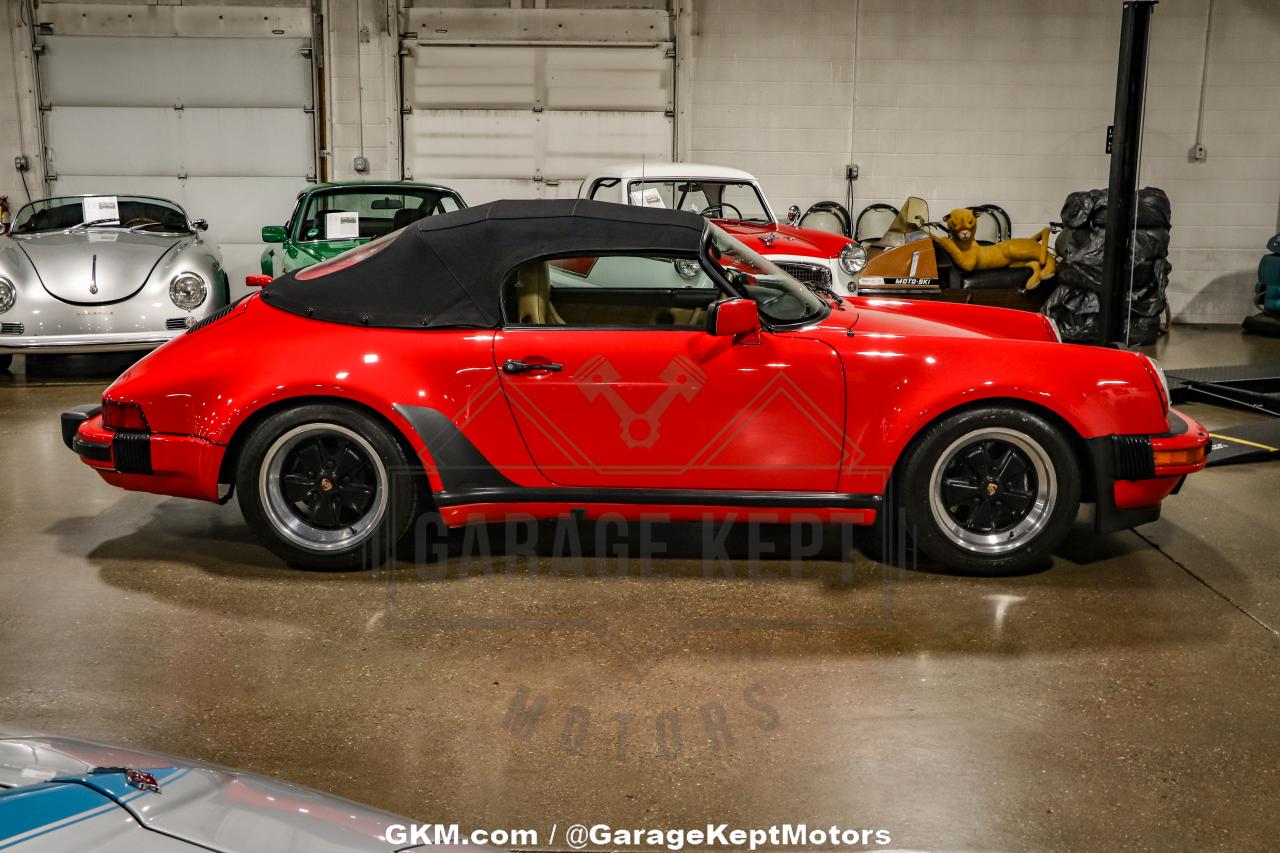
(1124, 698)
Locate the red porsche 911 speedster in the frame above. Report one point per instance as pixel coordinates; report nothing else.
(542, 358)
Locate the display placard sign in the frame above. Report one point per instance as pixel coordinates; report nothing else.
(648, 197)
(102, 209)
(342, 225)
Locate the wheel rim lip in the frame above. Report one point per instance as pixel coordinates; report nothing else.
(1027, 528)
(279, 509)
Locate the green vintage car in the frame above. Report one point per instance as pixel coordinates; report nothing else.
(329, 219)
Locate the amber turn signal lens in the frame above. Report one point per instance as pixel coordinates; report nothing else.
(125, 416)
(1170, 458)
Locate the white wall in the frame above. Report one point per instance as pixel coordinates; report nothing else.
(362, 88)
(1002, 101)
(18, 129)
(993, 100)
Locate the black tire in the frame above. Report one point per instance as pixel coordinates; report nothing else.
(1007, 521)
(6, 361)
(326, 487)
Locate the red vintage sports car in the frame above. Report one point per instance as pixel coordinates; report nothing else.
(542, 358)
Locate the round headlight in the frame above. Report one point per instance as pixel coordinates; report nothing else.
(688, 270)
(188, 291)
(8, 294)
(853, 258)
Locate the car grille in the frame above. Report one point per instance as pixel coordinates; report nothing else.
(1133, 457)
(212, 318)
(813, 275)
(175, 323)
(12, 328)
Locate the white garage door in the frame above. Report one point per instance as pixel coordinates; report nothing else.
(530, 121)
(219, 125)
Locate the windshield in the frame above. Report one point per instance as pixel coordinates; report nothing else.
(782, 299)
(370, 212)
(737, 200)
(136, 212)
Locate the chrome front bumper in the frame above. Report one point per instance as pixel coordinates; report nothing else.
(86, 343)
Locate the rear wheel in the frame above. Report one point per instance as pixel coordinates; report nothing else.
(326, 487)
(5, 361)
(990, 491)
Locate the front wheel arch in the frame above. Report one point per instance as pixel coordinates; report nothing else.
(1079, 448)
(231, 458)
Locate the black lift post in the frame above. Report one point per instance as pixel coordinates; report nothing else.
(1125, 146)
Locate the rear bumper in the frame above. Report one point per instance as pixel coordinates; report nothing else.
(1132, 475)
(71, 344)
(183, 466)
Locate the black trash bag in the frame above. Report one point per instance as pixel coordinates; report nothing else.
(1078, 209)
(1090, 207)
(1147, 301)
(1076, 311)
(1149, 244)
(1143, 331)
(1080, 277)
(1154, 210)
(1072, 241)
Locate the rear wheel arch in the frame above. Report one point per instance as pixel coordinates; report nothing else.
(231, 458)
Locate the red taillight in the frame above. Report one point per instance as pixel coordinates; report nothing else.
(123, 416)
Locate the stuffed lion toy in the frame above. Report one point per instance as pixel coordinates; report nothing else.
(1029, 252)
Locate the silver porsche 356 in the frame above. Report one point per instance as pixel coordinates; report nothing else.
(104, 273)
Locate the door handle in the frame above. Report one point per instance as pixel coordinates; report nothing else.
(512, 366)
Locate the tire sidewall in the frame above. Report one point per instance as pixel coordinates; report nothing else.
(915, 483)
(402, 495)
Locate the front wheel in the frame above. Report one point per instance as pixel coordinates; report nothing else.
(5, 362)
(326, 487)
(990, 491)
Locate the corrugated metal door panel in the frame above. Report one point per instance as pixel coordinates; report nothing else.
(578, 142)
(474, 143)
(205, 142)
(243, 137)
(475, 78)
(632, 79)
(530, 121)
(160, 72)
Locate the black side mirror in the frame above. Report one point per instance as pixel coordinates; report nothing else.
(200, 224)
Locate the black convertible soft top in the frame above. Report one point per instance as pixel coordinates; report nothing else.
(448, 270)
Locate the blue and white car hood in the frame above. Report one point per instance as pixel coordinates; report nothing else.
(60, 794)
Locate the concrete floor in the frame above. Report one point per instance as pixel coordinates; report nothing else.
(1124, 699)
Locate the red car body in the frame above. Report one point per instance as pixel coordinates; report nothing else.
(778, 423)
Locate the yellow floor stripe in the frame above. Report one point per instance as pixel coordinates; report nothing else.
(1242, 441)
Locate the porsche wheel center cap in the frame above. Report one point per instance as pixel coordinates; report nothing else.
(326, 484)
(992, 488)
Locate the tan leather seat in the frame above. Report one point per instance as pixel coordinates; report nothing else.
(533, 294)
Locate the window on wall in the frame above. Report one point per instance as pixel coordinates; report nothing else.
(611, 291)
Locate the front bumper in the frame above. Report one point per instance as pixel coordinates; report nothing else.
(1134, 473)
(184, 466)
(86, 343)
